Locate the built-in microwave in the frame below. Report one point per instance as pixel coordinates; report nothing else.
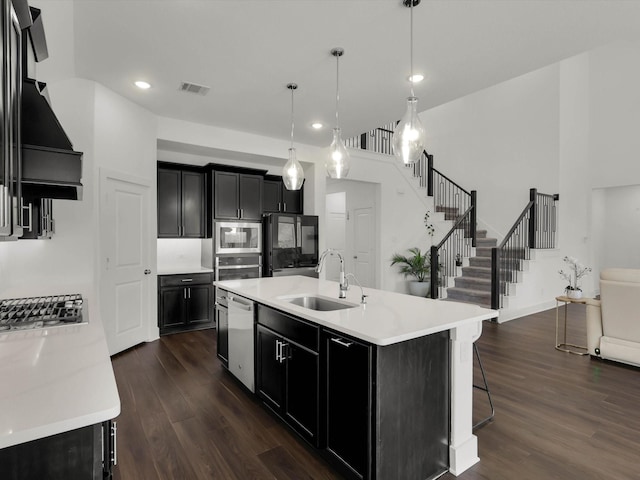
(238, 237)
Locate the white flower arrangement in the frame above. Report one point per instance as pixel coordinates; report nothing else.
(576, 273)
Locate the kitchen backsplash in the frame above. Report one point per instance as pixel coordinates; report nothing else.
(179, 253)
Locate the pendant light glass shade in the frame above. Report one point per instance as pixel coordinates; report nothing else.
(338, 162)
(409, 135)
(292, 172)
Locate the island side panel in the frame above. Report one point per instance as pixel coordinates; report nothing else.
(412, 408)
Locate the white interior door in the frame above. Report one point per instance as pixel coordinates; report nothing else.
(364, 246)
(125, 263)
(336, 234)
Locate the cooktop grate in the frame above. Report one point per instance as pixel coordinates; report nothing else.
(39, 312)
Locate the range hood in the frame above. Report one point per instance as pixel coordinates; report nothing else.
(50, 166)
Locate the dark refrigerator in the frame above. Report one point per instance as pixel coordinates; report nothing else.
(290, 245)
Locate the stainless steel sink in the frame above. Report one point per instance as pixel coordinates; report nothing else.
(320, 304)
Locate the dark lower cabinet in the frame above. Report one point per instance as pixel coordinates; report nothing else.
(287, 377)
(348, 402)
(387, 407)
(222, 326)
(374, 412)
(85, 453)
(185, 302)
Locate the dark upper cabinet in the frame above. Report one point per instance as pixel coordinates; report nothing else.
(277, 198)
(237, 196)
(181, 203)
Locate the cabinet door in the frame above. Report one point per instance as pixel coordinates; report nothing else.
(270, 374)
(271, 196)
(348, 401)
(292, 200)
(169, 203)
(171, 307)
(250, 197)
(222, 324)
(199, 304)
(226, 193)
(193, 221)
(301, 403)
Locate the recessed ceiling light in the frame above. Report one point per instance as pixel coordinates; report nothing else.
(143, 85)
(416, 78)
(317, 125)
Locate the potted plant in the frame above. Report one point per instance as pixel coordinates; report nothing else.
(418, 266)
(576, 272)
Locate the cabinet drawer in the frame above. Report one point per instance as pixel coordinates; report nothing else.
(292, 328)
(185, 280)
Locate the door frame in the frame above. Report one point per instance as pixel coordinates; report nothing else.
(104, 175)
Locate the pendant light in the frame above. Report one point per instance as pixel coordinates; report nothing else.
(409, 134)
(292, 173)
(337, 163)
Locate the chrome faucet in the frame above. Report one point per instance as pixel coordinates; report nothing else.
(344, 285)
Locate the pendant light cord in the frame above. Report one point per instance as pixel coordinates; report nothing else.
(411, 49)
(337, 89)
(292, 89)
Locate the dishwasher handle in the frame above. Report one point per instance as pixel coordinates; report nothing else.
(240, 302)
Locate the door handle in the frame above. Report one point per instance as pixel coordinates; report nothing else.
(147, 271)
(278, 354)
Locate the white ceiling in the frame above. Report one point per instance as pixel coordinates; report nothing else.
(248, 50)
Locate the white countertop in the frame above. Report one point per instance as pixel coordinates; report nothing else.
(54, 380)
(183, 270)
(387, 318)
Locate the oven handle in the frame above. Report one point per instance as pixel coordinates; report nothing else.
(235, 267)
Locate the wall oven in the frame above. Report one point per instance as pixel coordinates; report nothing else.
(238, 237)
(238, 267)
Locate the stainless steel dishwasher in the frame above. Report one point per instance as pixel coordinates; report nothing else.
(241, 339)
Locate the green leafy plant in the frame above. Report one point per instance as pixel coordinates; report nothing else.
(416, 265)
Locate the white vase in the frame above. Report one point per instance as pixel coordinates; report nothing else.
(419, 289)
(575, 294)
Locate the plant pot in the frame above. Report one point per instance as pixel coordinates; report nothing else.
(575, 294)
(419, 289)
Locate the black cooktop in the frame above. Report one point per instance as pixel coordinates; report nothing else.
(40, 312)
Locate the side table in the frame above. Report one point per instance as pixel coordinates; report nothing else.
(563, 346)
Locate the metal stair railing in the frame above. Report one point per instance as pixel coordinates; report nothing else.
(455, 244)
(534, 228)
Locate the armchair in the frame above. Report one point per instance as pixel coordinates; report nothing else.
(613, 322)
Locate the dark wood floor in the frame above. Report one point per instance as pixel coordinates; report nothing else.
(558, 416)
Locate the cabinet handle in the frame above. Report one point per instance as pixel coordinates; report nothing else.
(184, 294)
(284, 208)
(277, 350)
(114, 434)
(187, 280)
(342, 342)
(283, 355)
(29, 213)
(189, 289)
(279, 206)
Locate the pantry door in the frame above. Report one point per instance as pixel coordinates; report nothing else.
(125, 263)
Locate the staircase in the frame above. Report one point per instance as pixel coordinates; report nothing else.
(474, 286)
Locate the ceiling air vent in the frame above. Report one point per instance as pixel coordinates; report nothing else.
(194, 88)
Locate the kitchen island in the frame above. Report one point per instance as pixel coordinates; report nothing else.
(56, 382)
(404, 341)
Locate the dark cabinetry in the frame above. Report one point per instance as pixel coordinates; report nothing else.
(87, 452)
(181, 205)
(348, 402)
(277, 198)
(287, 377)
(387, 407)
(185, 302)
(222, 325)
(237, 196)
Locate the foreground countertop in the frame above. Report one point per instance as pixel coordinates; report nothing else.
(183, 270)
(387, 317)
(56, 379)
